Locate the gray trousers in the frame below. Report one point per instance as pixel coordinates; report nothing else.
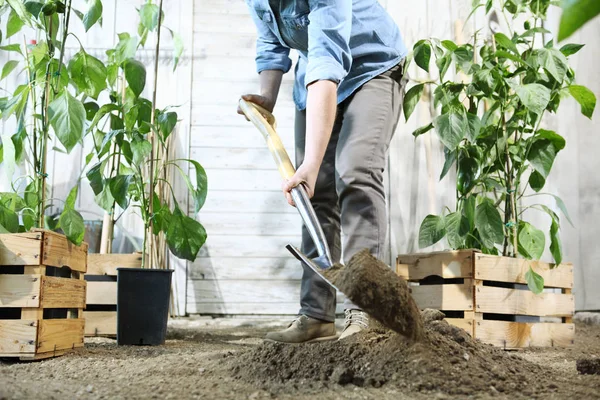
(349, 193)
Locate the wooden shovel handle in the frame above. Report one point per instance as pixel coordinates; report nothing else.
(266, 125)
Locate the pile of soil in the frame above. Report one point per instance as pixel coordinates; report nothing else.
(447, 360)
(589, 366)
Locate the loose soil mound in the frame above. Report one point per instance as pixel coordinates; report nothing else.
(589, 366)
(446, 360)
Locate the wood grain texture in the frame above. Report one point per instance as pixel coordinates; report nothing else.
(107, 264)
(101, 293)
(235, 158)
(62, 292)
(60, 334)
(449, 297)
(507, 269)
(225, 115)
(247, 181)
(234, 137)
(462, 323)
(20, 290)
(243, 246)
(17, 336)
(20, 249)
(251, 223)
(446, 264)
(523, 302)
(59, 252)
(514, 335)
(285, 310)
(232, 268)
(262, 202)
(100, 323)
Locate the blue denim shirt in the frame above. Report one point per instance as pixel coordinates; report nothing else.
(345, 41)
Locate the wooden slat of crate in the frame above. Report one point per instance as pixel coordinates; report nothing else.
(60, 334)
(20, 290)
(462, 323)
(513, 335)
(20, 248)
(507, 269)
(447, 264)
(100, 323)
(59, 252)
(449, 297)
(522, 302)
(62, 292)
(17, 336)
(102, 293)
(107, 264)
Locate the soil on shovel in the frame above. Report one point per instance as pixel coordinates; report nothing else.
(373, 286)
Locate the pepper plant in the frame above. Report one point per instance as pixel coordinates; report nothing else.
(490, 123)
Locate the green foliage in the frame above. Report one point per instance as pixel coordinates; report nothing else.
(489, 122)
(575, 14)
(535, 281)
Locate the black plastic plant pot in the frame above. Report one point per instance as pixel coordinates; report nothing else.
(143, 297)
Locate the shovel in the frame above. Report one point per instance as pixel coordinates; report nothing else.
(266, 124)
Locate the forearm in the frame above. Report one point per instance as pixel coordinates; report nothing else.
(270, 82)
(320, 116)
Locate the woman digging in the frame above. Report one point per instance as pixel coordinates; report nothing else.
(348, 90)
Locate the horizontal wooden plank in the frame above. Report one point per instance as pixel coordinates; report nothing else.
(107, 264)
(242, 246)
(104, 293)
(449, 297)
(20, 290)
(60, 334)
(223, 91)
(462, 323)
(507, 269)
(62, 292)
(226, 115)
(243, 180)
(251, 224)
(244, 291)
(514, 335)
(523, 302)
(20, 248)
(229, 7)
(224, 44)
(17, 336)
(231, 136)
(239, 202)
(237, 69)
(447, 264)
(228, 268)
(211, 23)
(100, 323)
(286, 310)
(59, 252)
(236, 158)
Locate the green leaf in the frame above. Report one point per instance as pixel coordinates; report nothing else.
(177, 48)
(449, 45)
(533, 96)
(88, 74)
(105, 199)
(474, 127)
(14, 24)
(119, 186)
(19, 8)
(535, 282)
(489, 223)
(536, 181)
(31, 195)
(12, 47)
(201, 190)
(456, 228)
(105, 109)
(450, 158)
(422, 130)
(33, 8)
(141, 149)
(541, 156)
(71, 223)
(135, 74)
(126, 47)
(94, 175)
(553, 61)
(149, 16)
(9, 220)
(91, 108)
(531, 241)
(166, 123)
(575, 14)
(562, 207)
(8, 68)
(585, 98)
(72, 197)
(555, 245)
(67, 117)
(451, 128)
(443, 64)
(432, 230)
(422, 54)
(9, 162)
(570, 49)
(93, 14)
(557, 141)
(16, 105)
(185, 235)
(411, 99)
(504, 41)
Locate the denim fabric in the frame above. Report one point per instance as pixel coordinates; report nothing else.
(345, 41)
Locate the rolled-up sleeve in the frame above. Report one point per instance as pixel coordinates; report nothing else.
(270, 53)
(329, 31)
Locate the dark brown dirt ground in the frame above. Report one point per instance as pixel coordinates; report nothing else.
(230, 363)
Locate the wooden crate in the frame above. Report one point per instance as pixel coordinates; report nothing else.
(42, 294)
(101, 303)
(487, 296)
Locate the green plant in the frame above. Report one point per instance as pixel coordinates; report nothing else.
(576, 13)
(490, 125)
(132, 140)
(41, 107)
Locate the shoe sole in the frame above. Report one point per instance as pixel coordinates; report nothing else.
(320, 339)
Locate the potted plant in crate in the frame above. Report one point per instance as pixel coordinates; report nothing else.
(42, 107)
(132, 144)
(491, 125)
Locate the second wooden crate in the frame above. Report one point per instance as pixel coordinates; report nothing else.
(488, 297)
(101, 308)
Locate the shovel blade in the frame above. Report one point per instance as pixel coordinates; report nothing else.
(318, 265)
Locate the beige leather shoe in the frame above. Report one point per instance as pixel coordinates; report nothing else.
(304, 329)
(355, 321)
